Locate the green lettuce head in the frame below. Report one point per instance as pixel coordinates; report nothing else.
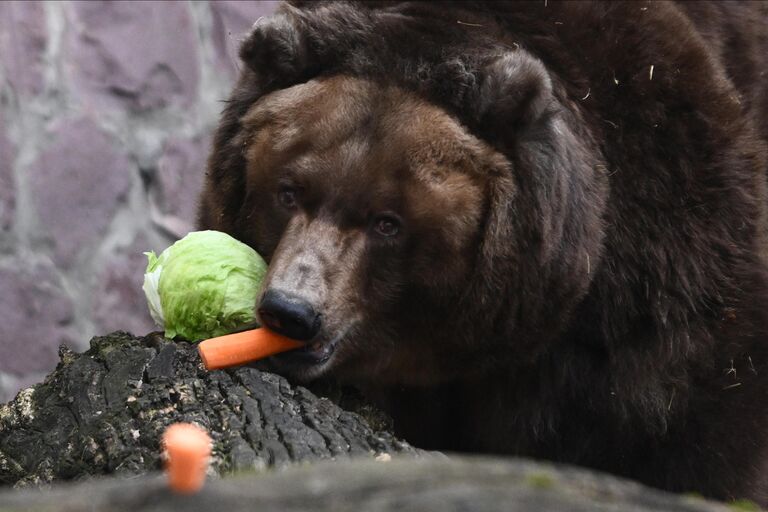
(204, 285)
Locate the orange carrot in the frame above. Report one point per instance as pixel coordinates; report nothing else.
(188, 449)
(243, 347)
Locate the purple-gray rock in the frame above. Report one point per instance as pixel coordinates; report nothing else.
(7, 182)
(181, 170)
(23, 39)
(231, 22)
(76, 185)
(140, 55)
(119, 302)
(35, 315)
(427, 484)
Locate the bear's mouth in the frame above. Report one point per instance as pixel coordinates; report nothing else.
(315, 352)
(314, 359)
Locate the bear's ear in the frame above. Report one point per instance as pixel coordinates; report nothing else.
(277, 50)
(514, 91)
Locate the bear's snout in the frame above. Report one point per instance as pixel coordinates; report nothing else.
(289, 315)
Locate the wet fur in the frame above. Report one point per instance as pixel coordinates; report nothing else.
(614, 312)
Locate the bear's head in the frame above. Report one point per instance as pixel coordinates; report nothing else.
(409, 241)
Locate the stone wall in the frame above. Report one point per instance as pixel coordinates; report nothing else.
(106, 116)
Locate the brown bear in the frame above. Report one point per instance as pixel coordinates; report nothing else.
(530, 228)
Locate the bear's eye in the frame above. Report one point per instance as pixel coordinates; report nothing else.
(386, 225)
(287, 197)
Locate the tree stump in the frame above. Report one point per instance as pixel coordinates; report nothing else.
(103, 412)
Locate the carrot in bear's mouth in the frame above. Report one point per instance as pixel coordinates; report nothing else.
(188, 449)
(243, 347)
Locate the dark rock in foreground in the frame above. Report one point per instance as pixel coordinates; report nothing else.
(427, 484)
(103, 412)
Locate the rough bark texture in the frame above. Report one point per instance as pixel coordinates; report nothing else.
(428, 484)
(103, 412)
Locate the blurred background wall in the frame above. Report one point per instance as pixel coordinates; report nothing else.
(106, 116)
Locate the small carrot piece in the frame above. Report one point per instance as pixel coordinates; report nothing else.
(243, 347)
(188, 450)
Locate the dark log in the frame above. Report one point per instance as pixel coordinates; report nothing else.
(426, 484)
(103, 411)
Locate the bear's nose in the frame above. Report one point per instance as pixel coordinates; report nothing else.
(289, 315)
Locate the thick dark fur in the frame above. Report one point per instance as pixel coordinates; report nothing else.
(616, 313)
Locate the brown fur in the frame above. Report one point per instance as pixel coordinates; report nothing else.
(581, 188)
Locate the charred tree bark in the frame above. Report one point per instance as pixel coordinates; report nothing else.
(103, 412)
